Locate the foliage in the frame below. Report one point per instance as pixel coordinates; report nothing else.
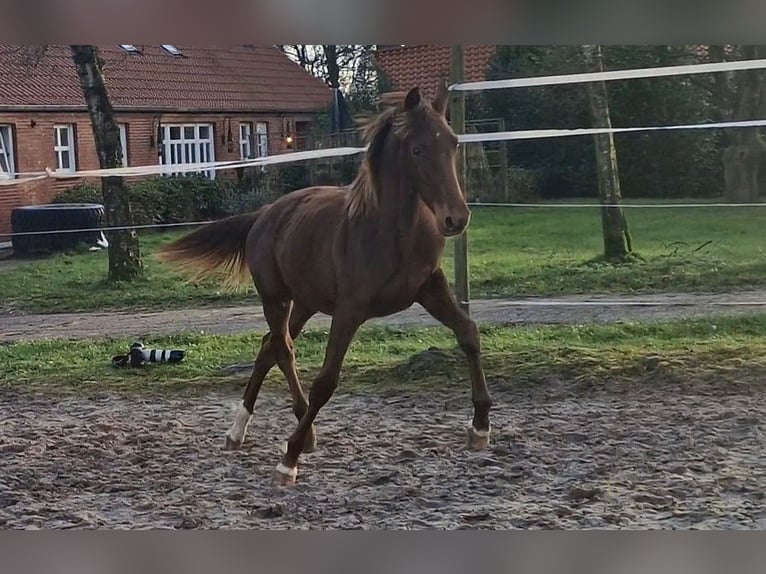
(679, 164)
(513, 252)
(188, 198)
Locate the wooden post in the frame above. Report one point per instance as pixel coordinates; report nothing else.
(457, 121)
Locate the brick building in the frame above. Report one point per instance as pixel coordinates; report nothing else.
(174, 105)
(426, 65)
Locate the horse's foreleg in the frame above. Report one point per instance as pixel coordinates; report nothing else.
(437, 298)
(286, 361)
(344, 325)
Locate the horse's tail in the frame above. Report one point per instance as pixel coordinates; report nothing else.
(217, 248)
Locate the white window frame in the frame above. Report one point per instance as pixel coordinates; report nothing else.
(6, 152)
(262, 139)
(124, 143)
(245, 142)
(187, 150)
(61, 147)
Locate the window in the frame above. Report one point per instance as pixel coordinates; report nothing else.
(124, 143)
(130, 48)
(172, 49)
(7, 165)
(64, 147)
(184, 144)
(245, 135)
(262, 138)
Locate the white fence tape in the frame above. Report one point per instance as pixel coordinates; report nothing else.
(557, 133)
(159, 169)
(657, 72)
(10, 181)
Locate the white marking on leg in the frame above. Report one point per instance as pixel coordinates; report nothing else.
(239, 428)
(478, 433)
(287, 471)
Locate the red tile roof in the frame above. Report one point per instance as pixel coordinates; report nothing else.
(208, 79)
(425, 66)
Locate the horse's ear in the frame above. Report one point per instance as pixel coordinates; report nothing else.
(442, 95)
(412, 99)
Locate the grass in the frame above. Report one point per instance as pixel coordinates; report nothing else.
(385, 359)
(513, 252)
(76, 281)
(542, 251)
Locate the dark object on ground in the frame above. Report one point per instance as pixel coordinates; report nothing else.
(139, 356)
(55, 217)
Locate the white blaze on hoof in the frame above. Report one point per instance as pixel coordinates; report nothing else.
(236, 434)
(477, 439)
(284, 475)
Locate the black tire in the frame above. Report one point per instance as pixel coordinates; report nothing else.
(55, 217)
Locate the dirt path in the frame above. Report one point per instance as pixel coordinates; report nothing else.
(562, 457)
(571, 309)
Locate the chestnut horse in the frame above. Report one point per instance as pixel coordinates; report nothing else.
(367, 250)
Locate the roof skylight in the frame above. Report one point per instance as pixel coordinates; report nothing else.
(172, 49)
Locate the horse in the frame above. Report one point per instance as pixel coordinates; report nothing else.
(369, 249)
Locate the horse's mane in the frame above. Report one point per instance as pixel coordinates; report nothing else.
(363, 192)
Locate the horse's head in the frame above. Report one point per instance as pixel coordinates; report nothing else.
(428, 158)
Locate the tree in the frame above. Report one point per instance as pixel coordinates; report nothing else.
(348, 68)
(740, 95)
(652, 164)
(617, 243)
(124, 253)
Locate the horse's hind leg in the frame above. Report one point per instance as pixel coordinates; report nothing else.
(278, 316)
(286, 361)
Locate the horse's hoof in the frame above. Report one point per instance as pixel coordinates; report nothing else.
(284, 475)
(232, 444)
(310, 443)
(477, 440)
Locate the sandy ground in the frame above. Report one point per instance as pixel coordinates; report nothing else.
(644, 454)
(649, 454)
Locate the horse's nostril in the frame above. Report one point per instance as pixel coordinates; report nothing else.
(449, 223)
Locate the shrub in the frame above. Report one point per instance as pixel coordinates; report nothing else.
(82, 193)
(186, 198)
(175, 199)
(144, 199)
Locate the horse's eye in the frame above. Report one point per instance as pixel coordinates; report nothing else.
(417, 151)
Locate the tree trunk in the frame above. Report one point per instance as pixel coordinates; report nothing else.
(124, 254)
(740, 97)
(333, 66)
(744, 149)
(742, 166)
(617, 244)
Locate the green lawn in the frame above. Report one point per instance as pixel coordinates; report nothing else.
(547, 251)
(380, 358)
(513, 252)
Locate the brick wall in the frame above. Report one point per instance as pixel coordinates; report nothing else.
(33, 140)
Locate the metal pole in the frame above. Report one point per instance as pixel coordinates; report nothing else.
(457, 121)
